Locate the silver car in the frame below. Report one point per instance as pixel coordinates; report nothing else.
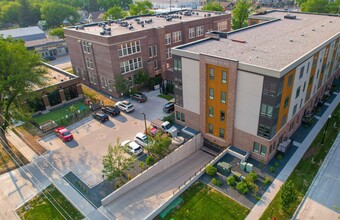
(125, 106)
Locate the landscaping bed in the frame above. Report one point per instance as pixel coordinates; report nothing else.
(304, 173)
(204, 202)
(7, 163)
(167, 97)
(40, 207)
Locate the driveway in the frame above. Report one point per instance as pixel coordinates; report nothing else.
(63, 62)
(83, 156)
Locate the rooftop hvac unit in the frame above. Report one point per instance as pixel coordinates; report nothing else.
(288, 16)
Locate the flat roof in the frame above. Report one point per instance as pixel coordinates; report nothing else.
(273, 45)
(157, 21)
(21, 32)
(55, 76)
(42, 42)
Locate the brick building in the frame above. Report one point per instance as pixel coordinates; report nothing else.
(251, 88)
(100, 52)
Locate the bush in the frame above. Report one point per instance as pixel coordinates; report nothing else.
(279, 157)
(117, 185)
(210, 170)
(252, 176)
(231, 181)
(169, 118)
(216, 182)
(277, 164)
(129, 176)
(266, 181)
(149, 160)
(272, 169)
(142, 165)
(242, 187)
(258, 198)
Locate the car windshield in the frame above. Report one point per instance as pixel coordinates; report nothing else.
(137, 149)
(66, 133)
(168, 126)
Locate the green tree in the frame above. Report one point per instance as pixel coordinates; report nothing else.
(240, 14)
(213, 6)
(115, 162)
(57, 32)
(10, 12)
(140, 7)
(115, 12)
(106, 4)
(141, 78)
(56, 13)
(288, 195)
(158, 146)
(27, 14)
(317, 6)
(210, 170)
(121, 85)
(19, 74)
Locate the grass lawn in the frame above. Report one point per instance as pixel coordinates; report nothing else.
(60, 113)
(167, 97)
(304, 173)
(203, 202)
(41, 208)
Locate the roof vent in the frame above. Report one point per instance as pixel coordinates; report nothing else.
(291, 40)
(322, 25)
(238, 41)
(313, 29)
(289, 16)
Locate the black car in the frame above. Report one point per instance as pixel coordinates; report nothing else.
(50, 58)
(139, 97)
(100, 117)
(111, 110)
(169, 107)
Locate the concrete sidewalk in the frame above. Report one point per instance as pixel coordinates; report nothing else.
(43, 170)
(269, 195)
(322, 200)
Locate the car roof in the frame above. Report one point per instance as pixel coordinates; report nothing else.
(169, 104)
(134, 145)
(125, 102)
(140, 135)
(125, 142)
(63, 130)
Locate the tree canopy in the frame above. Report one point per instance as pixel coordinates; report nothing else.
(19, 73)
(321, 6)
(213, 6)
(56, 13)
(115, 12)
(57, 32)
(158, 146)
(106, 4)
(240, 14)
(140, 7)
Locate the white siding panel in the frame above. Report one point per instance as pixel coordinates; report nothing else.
(191, 84)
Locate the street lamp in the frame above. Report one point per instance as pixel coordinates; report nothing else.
(325, 131)
(144, 121)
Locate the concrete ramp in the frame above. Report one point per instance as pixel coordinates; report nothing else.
(142, 200)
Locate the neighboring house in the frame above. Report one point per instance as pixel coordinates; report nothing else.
(166, 4)
(36, 39)
(251, 88)
(62, 87)
(122, 48)
(96, 16)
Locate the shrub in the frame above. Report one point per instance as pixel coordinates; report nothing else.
(231, 181)
(210, 170)
(266, 180)
(242, 187)
(142, 165)
(149, 160)
(279, 157)
(272, 169)
(216, 182)
(169, 118)
(252, 176)
(277, 164)
(258, 198)
(129, 176)
(117, 185)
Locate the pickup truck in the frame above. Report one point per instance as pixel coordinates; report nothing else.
(165, 126)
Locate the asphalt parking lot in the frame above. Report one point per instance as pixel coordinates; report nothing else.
(83, 155)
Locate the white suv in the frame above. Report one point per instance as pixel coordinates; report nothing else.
(125, 106)
(132, 147)
(141, 139)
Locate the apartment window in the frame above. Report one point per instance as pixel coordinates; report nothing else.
(129, 48)
(211, 93)
(222, 25)
(178, 116)
(266, 110)
(168, 53)
(223, 97)
(256, 147)
(92, 78)
(177, 36)
(222, 115)
(311, 80)
(211, 73)
(286, 102)
(109, 85)
(308, 67)
(301, 101)
(263, 150)
(298, 92)
(263, 131)
(294, 109)
(89, 63)
(191, 33)
(86, 46)
(152, 51)
(221, 133)
(130, 65)
(177, 64)
(199, 31)
(290, 80)
(182, 117)
(224, 76)
(155, 64)
(102, 82)
(210, 129)
(211, 111)
(168, 39)
(283, 120)
(304, 87)
(82, 74)
(301, 72)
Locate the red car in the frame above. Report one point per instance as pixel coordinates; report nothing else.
(63, 134)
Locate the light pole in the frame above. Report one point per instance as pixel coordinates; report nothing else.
(144, 122)
(325, 131)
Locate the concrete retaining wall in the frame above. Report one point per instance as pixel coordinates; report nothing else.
(179, 154)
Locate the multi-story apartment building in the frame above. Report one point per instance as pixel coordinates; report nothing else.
(102, 51)
(250, 88)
